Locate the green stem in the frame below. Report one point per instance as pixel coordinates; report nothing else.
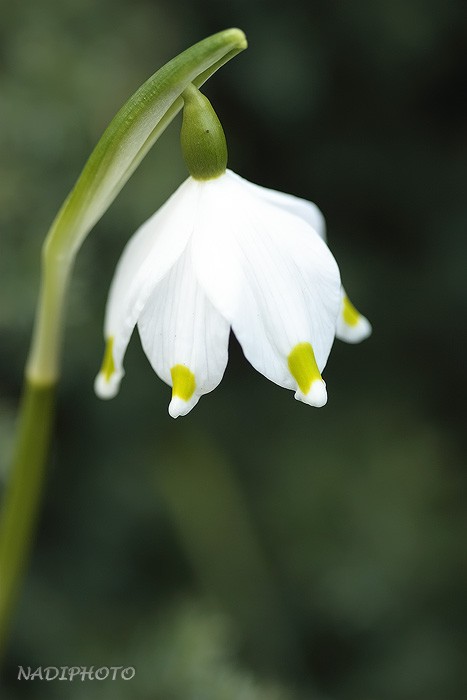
(22, 498)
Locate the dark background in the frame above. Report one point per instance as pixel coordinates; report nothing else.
(257, 549)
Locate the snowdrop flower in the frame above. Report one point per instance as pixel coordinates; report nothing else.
(220, 254)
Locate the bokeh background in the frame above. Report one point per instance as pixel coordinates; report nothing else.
(257, 549)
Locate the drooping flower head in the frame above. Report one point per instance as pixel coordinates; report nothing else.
(221, 254)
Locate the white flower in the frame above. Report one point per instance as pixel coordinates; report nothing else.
(220, 254)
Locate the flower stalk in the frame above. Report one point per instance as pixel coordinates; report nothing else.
(126, 141)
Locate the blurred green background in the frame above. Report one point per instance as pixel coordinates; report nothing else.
(257, 549)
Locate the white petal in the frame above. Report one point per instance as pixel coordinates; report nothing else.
(269, 274)
(107, 382)
(106, 387)
(184, 336)
(147, 257)
(308, 211)
(316, 396)
(351, 327)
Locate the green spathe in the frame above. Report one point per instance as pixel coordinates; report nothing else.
(202, 137)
